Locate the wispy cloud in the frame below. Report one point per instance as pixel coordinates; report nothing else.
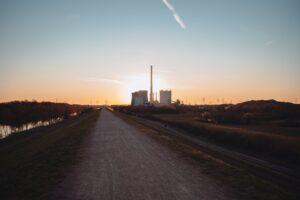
(107, 80)
(269, 42)
(175, 14)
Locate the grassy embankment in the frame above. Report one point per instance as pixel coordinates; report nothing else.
(239, 182)
(19, 113)
(282, 145)
(33, 162)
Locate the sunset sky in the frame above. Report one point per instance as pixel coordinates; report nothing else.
(90, 51)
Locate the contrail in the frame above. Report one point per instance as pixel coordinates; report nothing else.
(175, 14)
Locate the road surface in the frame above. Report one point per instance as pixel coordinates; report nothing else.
(120, 162)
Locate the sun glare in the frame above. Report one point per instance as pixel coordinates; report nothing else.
(142, 82)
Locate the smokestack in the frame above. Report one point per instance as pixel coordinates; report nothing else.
(151, 85)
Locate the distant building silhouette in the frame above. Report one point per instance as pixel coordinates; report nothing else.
(165, 97)
(151, 85)
(139, 98)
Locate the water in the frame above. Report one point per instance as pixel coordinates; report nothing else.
(7, 130)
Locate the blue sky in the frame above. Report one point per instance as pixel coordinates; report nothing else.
(78, 51)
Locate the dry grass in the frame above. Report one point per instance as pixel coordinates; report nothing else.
(240, 182)
(33, 162)
(281, 147)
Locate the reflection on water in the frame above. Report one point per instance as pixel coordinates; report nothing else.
(7, 130)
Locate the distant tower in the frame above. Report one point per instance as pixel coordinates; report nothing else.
(151, 85)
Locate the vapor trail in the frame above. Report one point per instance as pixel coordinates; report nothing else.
(175, 14)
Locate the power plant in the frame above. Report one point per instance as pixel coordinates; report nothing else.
(165, 97)
(140, 98)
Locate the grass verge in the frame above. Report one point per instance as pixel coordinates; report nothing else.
(279, 148)
(33, 162)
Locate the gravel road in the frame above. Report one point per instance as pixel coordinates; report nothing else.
(120, 162)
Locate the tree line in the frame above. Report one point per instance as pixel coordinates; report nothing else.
(18, 113)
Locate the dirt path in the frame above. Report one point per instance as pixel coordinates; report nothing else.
(120, 162)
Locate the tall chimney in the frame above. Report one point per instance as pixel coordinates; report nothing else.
(151, 85)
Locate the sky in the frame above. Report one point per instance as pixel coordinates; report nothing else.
(97, 51)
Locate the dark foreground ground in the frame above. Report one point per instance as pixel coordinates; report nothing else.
(121, 162)
(33, 162)
(113, 157)
(249, 178)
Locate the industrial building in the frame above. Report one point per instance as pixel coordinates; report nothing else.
(165, 97)
(139, 98)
